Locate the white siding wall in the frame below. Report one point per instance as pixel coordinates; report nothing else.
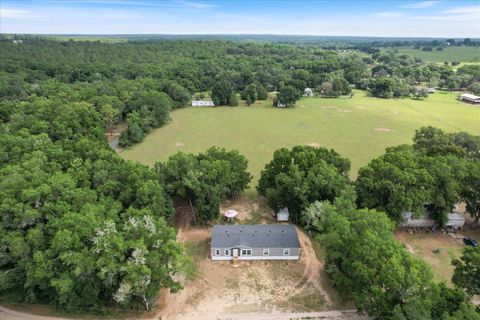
(257, 254)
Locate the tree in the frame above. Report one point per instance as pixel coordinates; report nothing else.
(432, 141)
(419, 93)
(474, 87)
(447, 173)
(248, 101)
(262, 93)
(179, 95)
(250, 93)
(205, 180)
(394, 183)
(467, 271)
(470, 189)
(365, 262)
(326, 88)
(110, 116)
(233, 100)
(221, 92)
(382, 87)
(135, 132)
(288, 95)
(153, 108)
(297, 177)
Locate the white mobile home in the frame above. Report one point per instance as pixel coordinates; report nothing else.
(202, 103)
(255, 242)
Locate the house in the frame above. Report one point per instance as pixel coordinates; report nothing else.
(255, 242)
(283, 214)
(202, 103)
(307, 92)
(455, 220)
(470, 98)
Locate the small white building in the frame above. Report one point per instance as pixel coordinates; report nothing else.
(456, 220)
(202, 103)
(307, 92)
(283, 214)
(470, 98)
(431, 90)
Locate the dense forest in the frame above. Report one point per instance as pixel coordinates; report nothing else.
(80, 227)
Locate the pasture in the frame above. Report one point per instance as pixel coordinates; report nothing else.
(460, 54)
(359, 128)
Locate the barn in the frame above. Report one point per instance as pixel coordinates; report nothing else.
(255, 242)
(470, 98)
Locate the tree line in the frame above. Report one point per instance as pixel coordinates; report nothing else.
(142, 81)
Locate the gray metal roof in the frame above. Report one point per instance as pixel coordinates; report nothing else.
(255, 236)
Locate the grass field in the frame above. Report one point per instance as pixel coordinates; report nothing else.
(460, 54)
(359, 128)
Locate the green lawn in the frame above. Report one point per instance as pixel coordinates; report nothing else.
(354, 127)
(460, 54)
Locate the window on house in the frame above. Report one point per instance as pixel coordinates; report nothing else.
(266, 252)
(286, 252)
(217, 252)
(246, 252)
(227, 252)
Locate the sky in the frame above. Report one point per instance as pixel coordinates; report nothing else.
(385, 18)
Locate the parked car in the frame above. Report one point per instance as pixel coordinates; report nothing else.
(470, 242)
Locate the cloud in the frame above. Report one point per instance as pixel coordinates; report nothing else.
(196, 5)
(421, 4)
(467, 13)
(144, 3)
(461, 10)
(388, 14)
(15, 14)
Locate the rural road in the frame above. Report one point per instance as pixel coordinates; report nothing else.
(8, 314)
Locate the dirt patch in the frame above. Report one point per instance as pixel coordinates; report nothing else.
(437, 249)
(359, 107)
(314, 144)
(382, 130)
(344, 110)
(251, 286)
(251, 209)
(179, 144)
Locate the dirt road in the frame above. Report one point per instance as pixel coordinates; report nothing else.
(7, 314)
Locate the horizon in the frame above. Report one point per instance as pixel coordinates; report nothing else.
(374, 19)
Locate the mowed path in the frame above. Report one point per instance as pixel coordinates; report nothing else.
(359, 128)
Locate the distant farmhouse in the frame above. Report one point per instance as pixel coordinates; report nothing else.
(202, 103)
(470, 98)
(255, 242)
